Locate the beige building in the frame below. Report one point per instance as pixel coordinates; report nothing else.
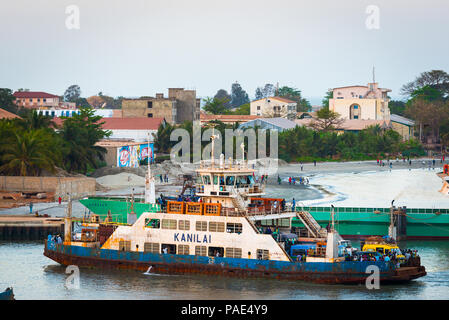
(180, 105)
(36, 100)
(361, 102)
(273, 107)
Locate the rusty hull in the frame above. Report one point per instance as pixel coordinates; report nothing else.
(222, 269)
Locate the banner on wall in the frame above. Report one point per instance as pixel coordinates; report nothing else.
(130, 156)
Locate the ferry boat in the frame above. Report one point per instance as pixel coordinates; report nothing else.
(220, 234)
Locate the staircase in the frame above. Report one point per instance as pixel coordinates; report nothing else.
(311, 224)
(238, 201)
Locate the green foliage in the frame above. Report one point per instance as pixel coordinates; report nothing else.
(7, 100)
(162, 139)
(304, 144)
(329, 95)
(72, 93)
(215, 105)
(27, 151)
(111, 103)
(238, 95)
(223, 95)
(244, 109)
(397, 107)
(427, 93)
(80, 133)
(303, 105)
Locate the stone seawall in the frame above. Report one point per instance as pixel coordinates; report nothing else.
(77, 187)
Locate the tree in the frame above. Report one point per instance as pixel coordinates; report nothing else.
(244, 109)
(302, 105)
(110, 102)
(162, 141)
(436, 79)
(429, 114)
(34, 120)
(7, 100)
(329, 95)
(397, 107)
(80, 133)
(72, 93)
(214, 105)
(268, 90)
(326, 120)
(82, 102)
(259, 93)
(238, 95)
(96, 102)
(28, 152)
(224, 96)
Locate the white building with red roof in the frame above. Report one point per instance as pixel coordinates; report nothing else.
(274, 107)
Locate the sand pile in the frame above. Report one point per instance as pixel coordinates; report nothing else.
(121, 180)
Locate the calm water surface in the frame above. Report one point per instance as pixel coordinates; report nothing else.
(34, 276)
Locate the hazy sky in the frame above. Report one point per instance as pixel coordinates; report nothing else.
(137, 47)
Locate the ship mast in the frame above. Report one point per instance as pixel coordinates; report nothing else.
(213, 137)
(150, 194)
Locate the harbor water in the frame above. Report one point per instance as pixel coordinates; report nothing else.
(34, 276)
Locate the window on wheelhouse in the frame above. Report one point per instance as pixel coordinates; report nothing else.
(206, 179)
(244, 181)
(230, 180)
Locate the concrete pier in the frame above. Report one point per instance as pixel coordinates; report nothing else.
(29, 227)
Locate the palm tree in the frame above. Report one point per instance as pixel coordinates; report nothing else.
(28, 153)
(35, 121)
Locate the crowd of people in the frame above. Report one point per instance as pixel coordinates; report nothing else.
(55, 238)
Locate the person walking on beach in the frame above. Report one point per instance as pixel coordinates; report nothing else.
(293, 204)
(31, 207)
(59, 200)
(279, 180)
(314, 163)
(301, 166)
(289, 180)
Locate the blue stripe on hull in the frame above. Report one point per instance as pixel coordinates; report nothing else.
(341, 272)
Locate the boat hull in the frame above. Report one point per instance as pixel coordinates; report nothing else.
(318, 272)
